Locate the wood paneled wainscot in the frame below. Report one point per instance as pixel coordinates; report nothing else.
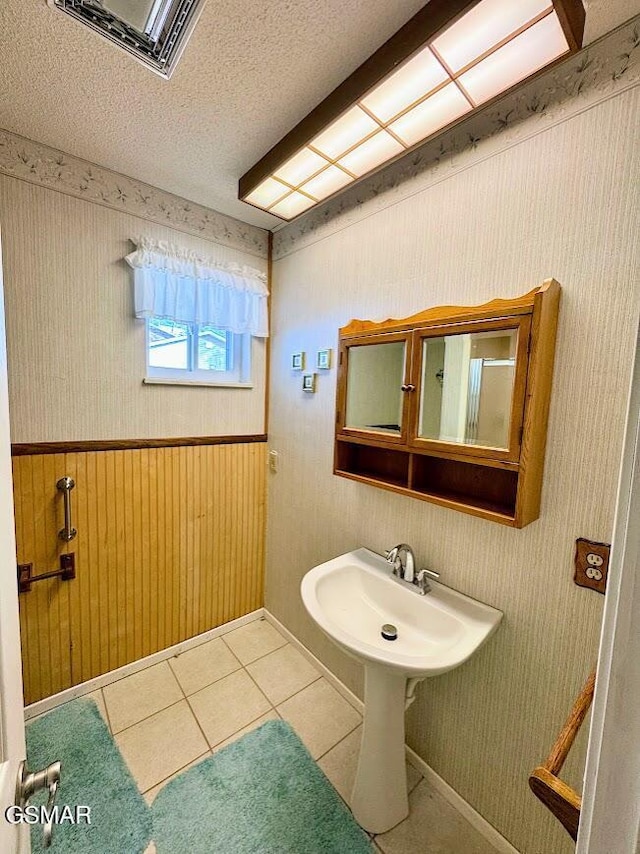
(170, 544)
(451, 405)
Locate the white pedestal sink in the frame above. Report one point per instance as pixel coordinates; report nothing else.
(351, 597)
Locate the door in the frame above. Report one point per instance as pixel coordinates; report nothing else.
(610, 816)
(14, 839)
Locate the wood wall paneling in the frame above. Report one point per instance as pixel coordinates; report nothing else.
(170, 544)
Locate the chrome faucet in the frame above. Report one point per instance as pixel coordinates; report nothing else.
(403, 569)
(406, 569)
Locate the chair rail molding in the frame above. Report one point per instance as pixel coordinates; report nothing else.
(602, 70)
(47, 167)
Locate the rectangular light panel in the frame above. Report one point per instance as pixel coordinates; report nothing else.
(413, 81)
(371, 153)
(429, 116)
(292, 205)
(484, 27)
(301, 166)
(350, 129)
(327, 182)
(526, 54)
(488, 49)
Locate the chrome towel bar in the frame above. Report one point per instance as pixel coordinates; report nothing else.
(65, 485)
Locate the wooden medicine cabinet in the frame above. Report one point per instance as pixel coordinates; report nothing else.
(451, 405)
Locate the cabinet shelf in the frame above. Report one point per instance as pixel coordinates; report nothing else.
(395, 373)
(378, 464)
(465, 483)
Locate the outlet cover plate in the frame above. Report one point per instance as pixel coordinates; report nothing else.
(592, 563)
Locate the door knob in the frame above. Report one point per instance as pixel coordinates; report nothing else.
(30, 782)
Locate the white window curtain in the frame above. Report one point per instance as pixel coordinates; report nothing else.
(176, 283)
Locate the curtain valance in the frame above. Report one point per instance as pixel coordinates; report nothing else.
(184, 286)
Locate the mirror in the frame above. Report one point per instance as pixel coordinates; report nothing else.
(467, 388)
(374, 379)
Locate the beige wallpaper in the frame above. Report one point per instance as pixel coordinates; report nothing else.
(563, 203)
(76, 353)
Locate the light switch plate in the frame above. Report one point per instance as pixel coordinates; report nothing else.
(592, 563)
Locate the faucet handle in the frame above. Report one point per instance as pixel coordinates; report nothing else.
(422, 579)
(393, 558)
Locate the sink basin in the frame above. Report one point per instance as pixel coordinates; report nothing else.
(352, 596)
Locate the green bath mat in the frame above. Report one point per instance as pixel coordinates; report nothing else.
(263, 794)
(94, 774)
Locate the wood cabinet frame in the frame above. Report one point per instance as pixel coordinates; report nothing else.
(503, 485)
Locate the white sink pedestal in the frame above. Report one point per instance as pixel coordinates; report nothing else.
(380, 800)
(351, 598)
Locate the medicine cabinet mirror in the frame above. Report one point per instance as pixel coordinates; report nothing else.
(450, 405)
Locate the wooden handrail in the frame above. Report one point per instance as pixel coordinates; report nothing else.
(563, 801)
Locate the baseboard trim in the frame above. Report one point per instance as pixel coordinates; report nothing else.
(502, 845)
(465, 809)
(41, 706)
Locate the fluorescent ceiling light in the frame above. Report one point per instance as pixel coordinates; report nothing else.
(327, 182)
(484, 27)
(268, 193)
(292, 205)
(524, 55)
(413, 81)
(371, 153)
(350, 129)
(429, 116)
(301, 166)
(451, 58)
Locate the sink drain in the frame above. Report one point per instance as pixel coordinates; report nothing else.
(389, 632)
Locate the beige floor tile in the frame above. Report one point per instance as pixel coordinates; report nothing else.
(159, 746)
(202, 665)
(150, 794)
(270, 716)
(341, 762)
(228, 705)
(136, 697)
(253, 640)
(320, 716)
(282, 673)
(98, 699)
(433, 827)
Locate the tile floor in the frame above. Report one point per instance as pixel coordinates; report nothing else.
(216, 692)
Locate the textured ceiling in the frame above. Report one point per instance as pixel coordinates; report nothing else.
(249, 73)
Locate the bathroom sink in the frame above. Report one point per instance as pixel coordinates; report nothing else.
(352, 596)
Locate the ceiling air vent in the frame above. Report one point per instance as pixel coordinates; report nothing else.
(154, 31)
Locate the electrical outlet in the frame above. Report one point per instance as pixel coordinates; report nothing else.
(592, 563)
(273, 461)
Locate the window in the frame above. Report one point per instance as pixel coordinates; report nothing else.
(201, 314)
(197, 353)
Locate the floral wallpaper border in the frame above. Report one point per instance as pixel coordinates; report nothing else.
(603, 69)
(47, 167)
